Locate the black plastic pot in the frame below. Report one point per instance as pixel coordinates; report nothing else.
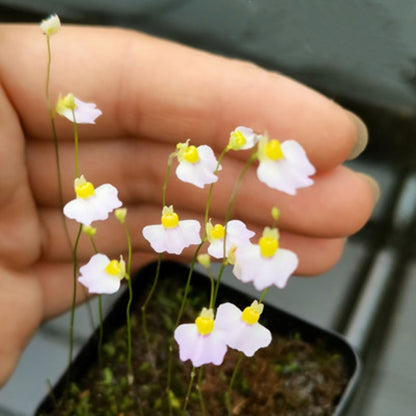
(278, 321)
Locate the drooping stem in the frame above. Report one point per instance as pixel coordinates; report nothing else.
(230, 386)
(263, 295)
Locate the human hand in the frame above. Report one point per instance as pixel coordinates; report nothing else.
(153, 93)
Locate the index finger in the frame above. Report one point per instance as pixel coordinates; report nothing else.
(147, 87)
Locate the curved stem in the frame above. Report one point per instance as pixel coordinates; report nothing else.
(230, 386)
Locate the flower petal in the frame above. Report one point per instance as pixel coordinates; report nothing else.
(200, 349)
(94, 277)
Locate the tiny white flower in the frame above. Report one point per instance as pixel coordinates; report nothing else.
(102, 275)
(197, 165)
(236, 234)
(243, 138)
(91, 204)
(172, 235)
(284, 166)
(51, 25)
(241, 328)
(85, 113)
(201, 342)
(265, 264)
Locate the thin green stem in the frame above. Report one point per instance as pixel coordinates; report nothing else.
(101, 331)
(74, 297)
(165, 182)
(188, 285)
(199, 388)
(76, 145)
(230, 386)
(263, 295)
(211, 188)
(147, 300)
(55, 141)
(129, 302)
(188, 391)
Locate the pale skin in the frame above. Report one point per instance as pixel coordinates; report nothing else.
(153, 93)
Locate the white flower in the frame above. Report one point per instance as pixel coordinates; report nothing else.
(51, 25)
(265, 264)
(197, 165)
(243, 138)
(237, 234)
(285, 166)
(172, 235)
(241, 328)
(201, 342)
(100, 275)
(91, 204)
(85, 113)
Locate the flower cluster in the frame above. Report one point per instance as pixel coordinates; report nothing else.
(282, 166)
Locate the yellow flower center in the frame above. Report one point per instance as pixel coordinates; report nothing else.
(204, 325)
(250, 315)
(114, 268)
(218, 231)
(170, 220)
(84, 189)
(237, 140)
(191, 154)
(273, 150)
(268, 246)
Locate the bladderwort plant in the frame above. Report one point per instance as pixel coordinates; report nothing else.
(283, 166)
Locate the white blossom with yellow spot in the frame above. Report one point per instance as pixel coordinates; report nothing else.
(76, 110)
(242, 138)
(284, 166)
(172, 235)
(242, 329)
(265, 264)
(91, 204)
(196, 164)
(102, 275)
(201, 342)
(236, 234)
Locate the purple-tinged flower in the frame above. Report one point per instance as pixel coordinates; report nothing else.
(197, 165)
(50, 25)
(284, 166)
(172, 235)
(102, 275)
(201, 342)
(85, 113)
(241, 328)
(265, 264)
(91, 204)
(237, 234)
(243, 138)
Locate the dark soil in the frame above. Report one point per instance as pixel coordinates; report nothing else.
(290, 377)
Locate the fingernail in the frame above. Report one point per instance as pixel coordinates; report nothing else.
(361, 138)
(375, 188)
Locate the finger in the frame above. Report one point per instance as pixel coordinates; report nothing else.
(337, 205)
(316, 254)
(157, 89)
